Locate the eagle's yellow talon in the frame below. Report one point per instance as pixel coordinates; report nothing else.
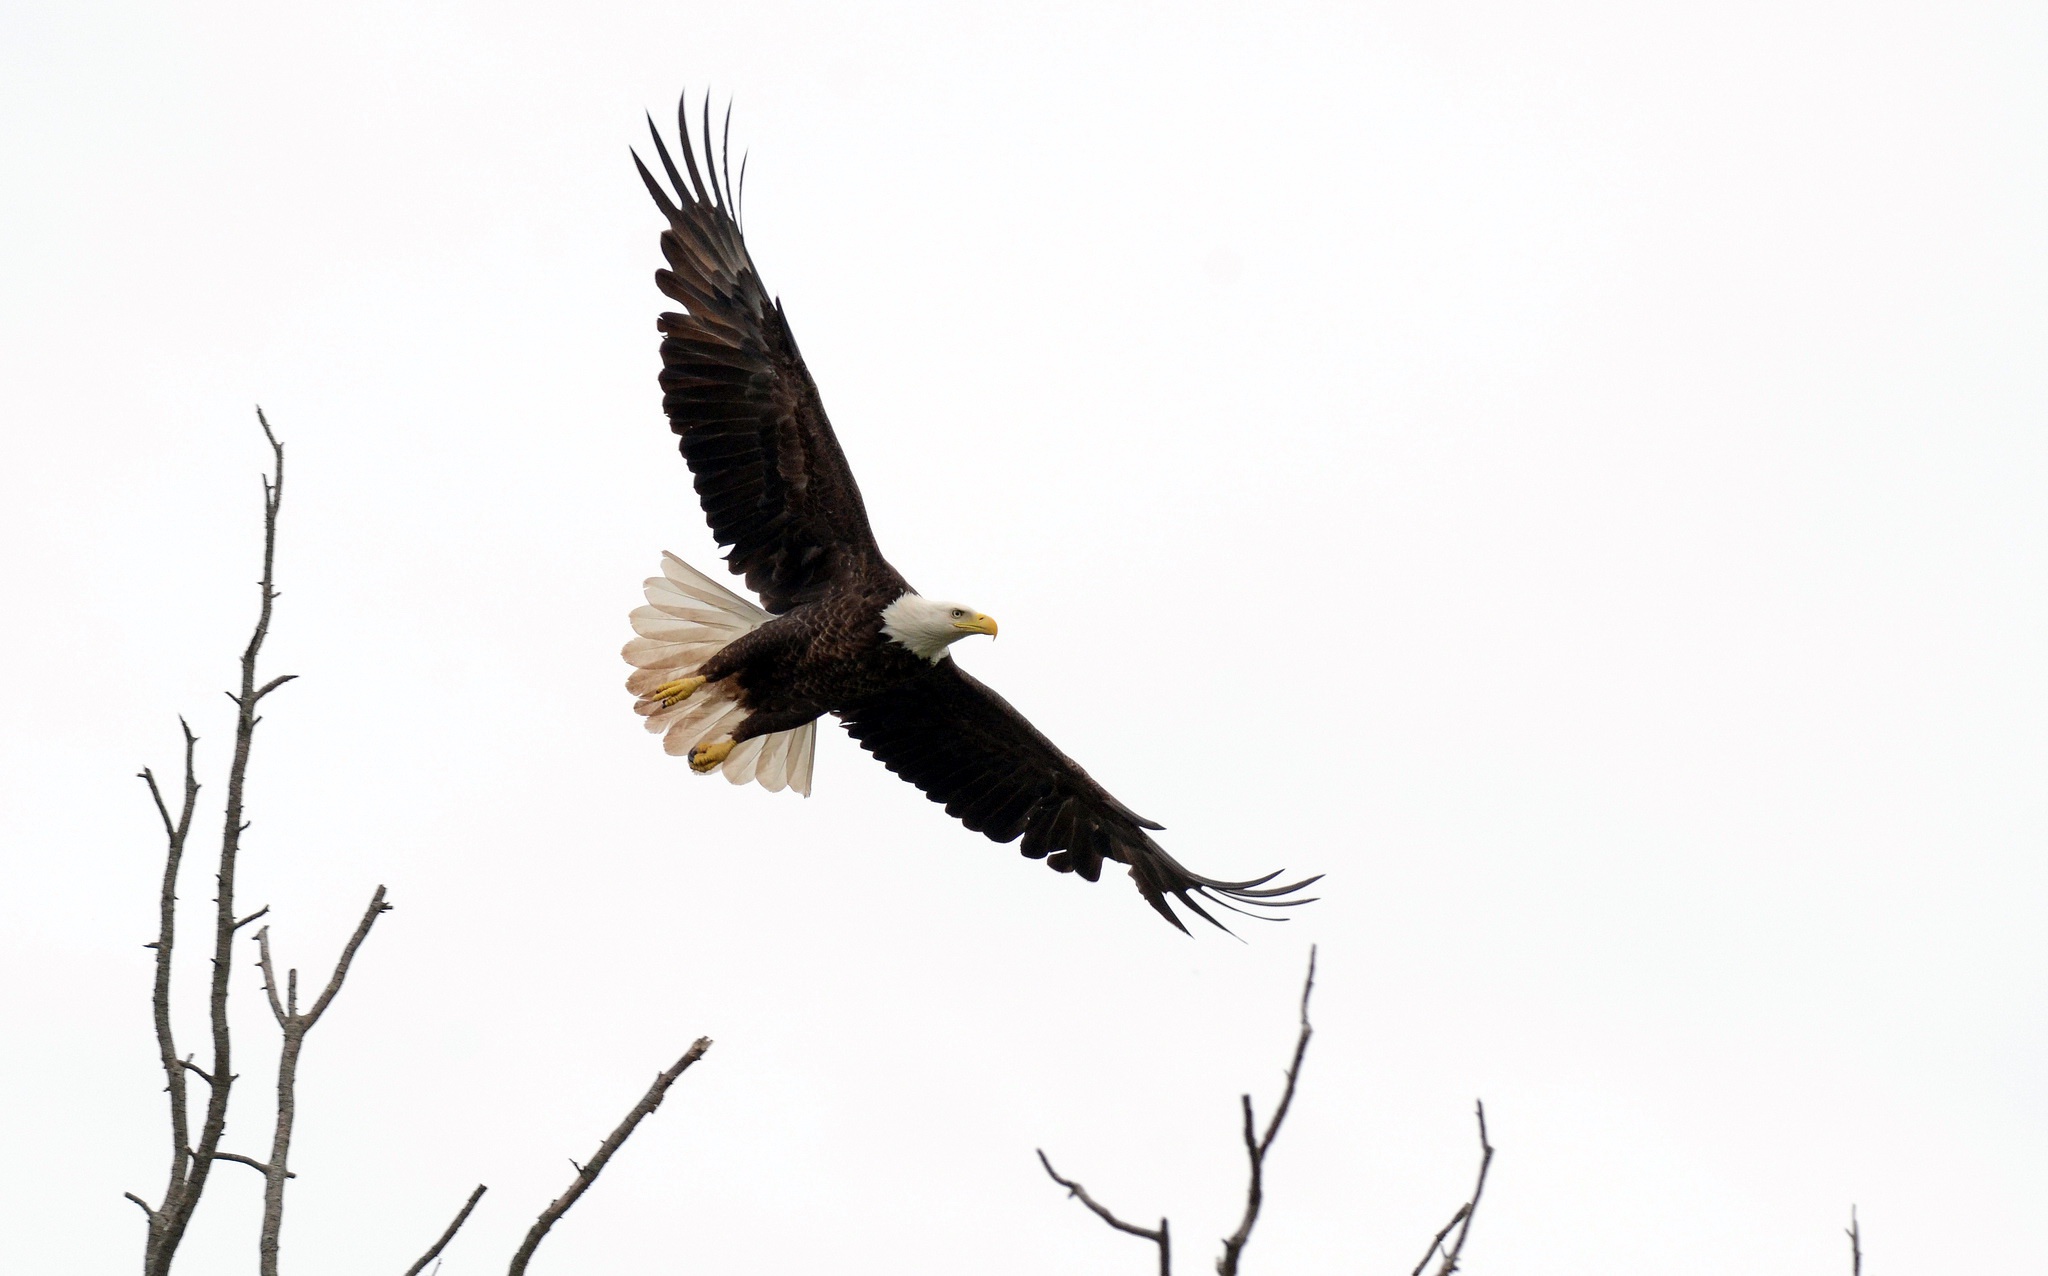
(705, 757)
(671, 694)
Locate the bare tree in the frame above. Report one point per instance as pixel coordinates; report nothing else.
(192, 1162)
(1462, 1220)
(1257, 1147)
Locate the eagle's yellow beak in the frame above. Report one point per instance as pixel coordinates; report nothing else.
(977, 624)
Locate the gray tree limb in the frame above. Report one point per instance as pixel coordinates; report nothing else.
(1462, 1220)
(1162, 1236)
(1256, 1147)
(295, 1026)
(175, 833)
(449, 1235)
(587, 1174)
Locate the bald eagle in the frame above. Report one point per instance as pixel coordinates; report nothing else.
(739, 688)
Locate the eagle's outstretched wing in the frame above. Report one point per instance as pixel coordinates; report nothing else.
(966, 747)
(769, 472)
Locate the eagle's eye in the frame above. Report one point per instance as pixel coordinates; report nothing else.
(958, 614)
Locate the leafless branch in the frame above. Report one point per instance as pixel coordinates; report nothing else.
(449, 1235)
(1462, 1220)
(348, 956)
(249, 1161)
(1256, 1147)
(277, 1009)
(648, 1103)
(175, 833)
(1162, 1236)
(1436, 1242)
(1855, 1234)
(295, 1026)
(192, 1164)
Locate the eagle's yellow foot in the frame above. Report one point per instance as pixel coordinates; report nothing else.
(671, 694)
(705, 758)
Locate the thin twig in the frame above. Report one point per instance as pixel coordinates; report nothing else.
(295, 1026)
(1462, 1220)
(1855, 1232)
(448, 1235)
(277, 1009)
(1257, 1147)
(648, 1103)
(348, 956)
(249, 1161)
(1161, 1236)
(1436, 1242)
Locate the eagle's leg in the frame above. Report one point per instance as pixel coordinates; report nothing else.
(671, 694)
(705, 758)
(770, 721)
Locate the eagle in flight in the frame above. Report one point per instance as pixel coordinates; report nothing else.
(739, 688)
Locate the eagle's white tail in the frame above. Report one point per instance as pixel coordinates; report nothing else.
(688, 617)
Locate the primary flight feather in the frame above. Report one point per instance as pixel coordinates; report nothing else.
(739, 688)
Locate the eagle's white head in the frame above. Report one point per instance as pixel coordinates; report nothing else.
(927, 626)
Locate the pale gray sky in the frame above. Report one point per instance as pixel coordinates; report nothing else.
(1573, 473)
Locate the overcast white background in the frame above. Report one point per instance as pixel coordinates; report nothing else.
(1572, 473)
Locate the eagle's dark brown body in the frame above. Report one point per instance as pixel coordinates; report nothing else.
(779, 494)
(821, 657)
